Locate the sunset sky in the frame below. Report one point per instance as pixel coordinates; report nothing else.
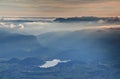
(59, 8)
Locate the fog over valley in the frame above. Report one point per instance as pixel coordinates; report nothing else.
(60, 49)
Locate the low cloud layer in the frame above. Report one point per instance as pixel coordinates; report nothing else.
(11, 26)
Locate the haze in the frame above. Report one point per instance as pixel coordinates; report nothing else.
(59, 8)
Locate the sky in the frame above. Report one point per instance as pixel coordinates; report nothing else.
(59, 8)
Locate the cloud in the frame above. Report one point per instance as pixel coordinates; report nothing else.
(59, 7)
(21, 26)
(52, 63)
(11, 26)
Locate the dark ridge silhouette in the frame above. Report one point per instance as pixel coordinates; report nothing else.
(89, 18)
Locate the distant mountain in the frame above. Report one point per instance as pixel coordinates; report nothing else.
(28, 61)
(93, 54)
(84, 45)
(17, 45)
(69, 70)
(79, 19)
(31, 61)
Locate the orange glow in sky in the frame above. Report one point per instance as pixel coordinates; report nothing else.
(57, 8)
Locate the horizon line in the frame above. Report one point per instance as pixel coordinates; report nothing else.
(50, 16)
